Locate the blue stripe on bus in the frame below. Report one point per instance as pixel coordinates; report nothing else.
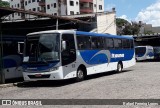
(91, 57)
(150, 54)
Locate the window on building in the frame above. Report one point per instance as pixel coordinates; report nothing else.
(48, 6)
(71, 3)
(34, 9)
(12, 6)
(33, 0)
(95, 5)
(29, 1)
(18, 5)
(25, 2)
(100, 7)
(77, 3)
(19, 14)
(37, 0)
(38, 8)
(71, 12)
(55, 5)
(55, 14)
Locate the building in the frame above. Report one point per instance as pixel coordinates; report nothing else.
(57, 7)
(148, 28)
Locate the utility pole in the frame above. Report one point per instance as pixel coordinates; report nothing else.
(96, 16)
(2, 76)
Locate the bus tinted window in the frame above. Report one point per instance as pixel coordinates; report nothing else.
(117, 43)
(131, 43)
(97, 43)
(109, 43)
(126, 43)
(83, 42)
(140, 50)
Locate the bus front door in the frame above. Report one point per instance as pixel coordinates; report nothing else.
(68, 55)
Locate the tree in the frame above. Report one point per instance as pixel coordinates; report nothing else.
(126, 28)
(4, 3)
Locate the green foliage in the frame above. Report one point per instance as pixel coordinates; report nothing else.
(126, 28)
(4, 4)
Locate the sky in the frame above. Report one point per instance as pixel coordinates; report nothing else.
(147, 11)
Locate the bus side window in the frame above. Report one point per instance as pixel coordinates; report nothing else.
(117, 43)
(109, 43)
(83, 42)
(131, 44)
(126, 44)
(97, 43)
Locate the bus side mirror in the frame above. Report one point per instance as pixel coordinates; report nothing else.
(64, 45)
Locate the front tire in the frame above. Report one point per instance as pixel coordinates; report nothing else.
(80, 75)
(119, 67)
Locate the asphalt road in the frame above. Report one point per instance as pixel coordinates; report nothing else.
(141, 81)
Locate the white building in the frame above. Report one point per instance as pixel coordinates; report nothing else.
(57, 7)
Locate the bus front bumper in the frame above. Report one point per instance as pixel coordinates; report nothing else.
(42, 76)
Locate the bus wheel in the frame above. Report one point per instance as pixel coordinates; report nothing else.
(80, 75)
(119, 67)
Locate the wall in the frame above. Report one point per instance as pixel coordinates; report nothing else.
(74, 8)
(106, 23)
(98, 2)
(13, 4)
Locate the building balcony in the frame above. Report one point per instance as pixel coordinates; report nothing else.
(86, 10)
(42, 3)
(86, 1)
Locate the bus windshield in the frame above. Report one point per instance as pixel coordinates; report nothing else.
(42, 47)
(140, 50)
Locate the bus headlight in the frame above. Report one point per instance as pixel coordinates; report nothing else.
(54, 68)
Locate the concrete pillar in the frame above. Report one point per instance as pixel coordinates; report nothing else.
(2, 75)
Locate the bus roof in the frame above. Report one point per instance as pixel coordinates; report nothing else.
(103, 35)
(81, 33)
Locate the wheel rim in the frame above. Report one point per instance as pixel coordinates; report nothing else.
(80, 74)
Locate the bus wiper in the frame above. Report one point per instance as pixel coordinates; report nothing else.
(45, 61)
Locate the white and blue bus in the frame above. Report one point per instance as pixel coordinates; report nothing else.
(64, 54)
(12, 56)
(144, 53)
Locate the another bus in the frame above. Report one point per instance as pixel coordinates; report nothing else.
(12, 56)
(156, 52)
(64, 54)
(144, 53)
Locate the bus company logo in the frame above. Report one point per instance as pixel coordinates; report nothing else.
(6, 102)
(117, 55)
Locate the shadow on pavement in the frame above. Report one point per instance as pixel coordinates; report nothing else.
(60, 83)
(14, 80)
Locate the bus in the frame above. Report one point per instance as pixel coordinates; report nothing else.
(65, 54)
(156, 52)
(12, 56)
(144, 53)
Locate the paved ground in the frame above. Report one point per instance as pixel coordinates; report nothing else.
(141, 81)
